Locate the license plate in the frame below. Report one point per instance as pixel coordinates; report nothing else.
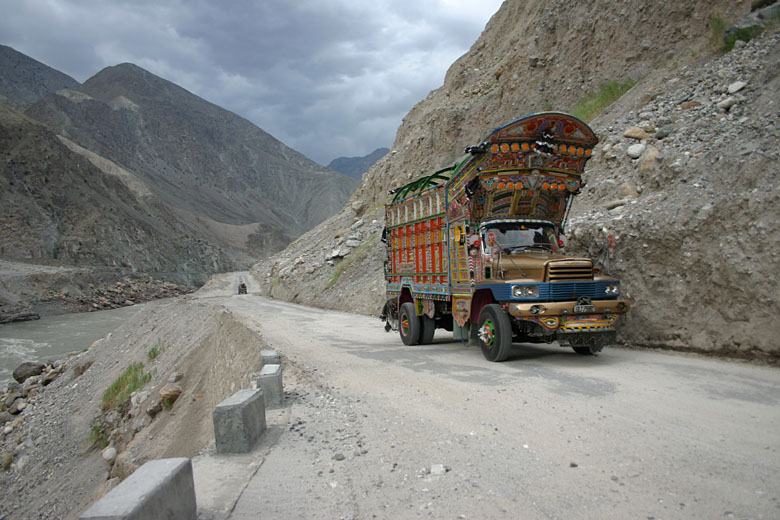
(584, 308)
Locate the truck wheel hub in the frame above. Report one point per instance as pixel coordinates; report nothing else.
(487, 333)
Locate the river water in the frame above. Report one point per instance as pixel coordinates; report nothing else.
(53, 337)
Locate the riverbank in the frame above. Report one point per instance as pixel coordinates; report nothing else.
(64, 446)
(53, 338)
(29, 291)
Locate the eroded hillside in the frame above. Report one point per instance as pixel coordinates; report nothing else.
(224, 178)
(681, 212)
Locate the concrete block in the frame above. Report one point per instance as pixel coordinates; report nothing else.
(239, 421)
(269, 357)
(270, 380)
(162, 488)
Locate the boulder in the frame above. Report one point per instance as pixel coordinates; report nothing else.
(650, 158)
(17, 406)
(124, 466)
(169, 394)
(153, 410)
(109, 454)
(636, 133)
(28, 369)
(664, 131)
(10, 398)
(635, 150)
(628, 191)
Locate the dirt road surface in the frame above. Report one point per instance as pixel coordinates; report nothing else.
(375, 429)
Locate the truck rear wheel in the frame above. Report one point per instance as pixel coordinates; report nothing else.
(427, 330)
(494, 333)
(408, 324)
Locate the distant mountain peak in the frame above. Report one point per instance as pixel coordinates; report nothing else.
(355, 167)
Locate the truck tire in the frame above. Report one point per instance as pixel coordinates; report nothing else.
(408, 324)
(494, 333)
(427, 330)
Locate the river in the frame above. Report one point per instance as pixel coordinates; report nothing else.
(54, 337)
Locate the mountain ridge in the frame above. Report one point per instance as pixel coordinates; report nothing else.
(198, 158)
(355, 167)
(25, 80)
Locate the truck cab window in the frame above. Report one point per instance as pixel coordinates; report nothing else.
(516, 236)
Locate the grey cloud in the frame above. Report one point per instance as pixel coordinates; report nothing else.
(327, 78)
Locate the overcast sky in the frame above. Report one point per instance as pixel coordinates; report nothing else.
(329, 78)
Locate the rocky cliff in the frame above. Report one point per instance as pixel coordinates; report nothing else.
(690, 208)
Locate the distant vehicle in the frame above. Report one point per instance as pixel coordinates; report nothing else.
(477, 248)
(242, 288)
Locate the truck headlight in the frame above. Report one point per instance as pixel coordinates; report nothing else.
(525, 291)
(612, 289)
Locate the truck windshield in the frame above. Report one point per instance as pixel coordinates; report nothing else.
(519, 236)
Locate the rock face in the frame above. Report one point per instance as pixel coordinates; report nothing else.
(690, 214)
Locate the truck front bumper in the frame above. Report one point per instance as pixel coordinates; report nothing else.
(598, 322)
(566, 309)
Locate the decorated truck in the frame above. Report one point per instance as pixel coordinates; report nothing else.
(477, 248)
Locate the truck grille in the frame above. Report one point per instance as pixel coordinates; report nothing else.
(569, 270)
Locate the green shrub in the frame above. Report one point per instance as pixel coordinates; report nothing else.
(718, 31)
(595, 102)
(128, 382)
(717, 28)
(743, 33)
(154, 352)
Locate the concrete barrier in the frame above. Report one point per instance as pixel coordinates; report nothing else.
(269, 357)
(239, 421)
(270, 380)
(160, 489)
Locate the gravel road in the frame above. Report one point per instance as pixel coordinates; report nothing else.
(381, 430)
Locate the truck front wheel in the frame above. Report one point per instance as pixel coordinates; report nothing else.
(494, 333)
(409, 324)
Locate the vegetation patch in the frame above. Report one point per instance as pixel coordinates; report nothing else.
(717, 27)
(727, 38)
(742, 33)
(7, 460)
(154, 352)
(595, 102)
(128, 382)
(97, 437)
(358, 253)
